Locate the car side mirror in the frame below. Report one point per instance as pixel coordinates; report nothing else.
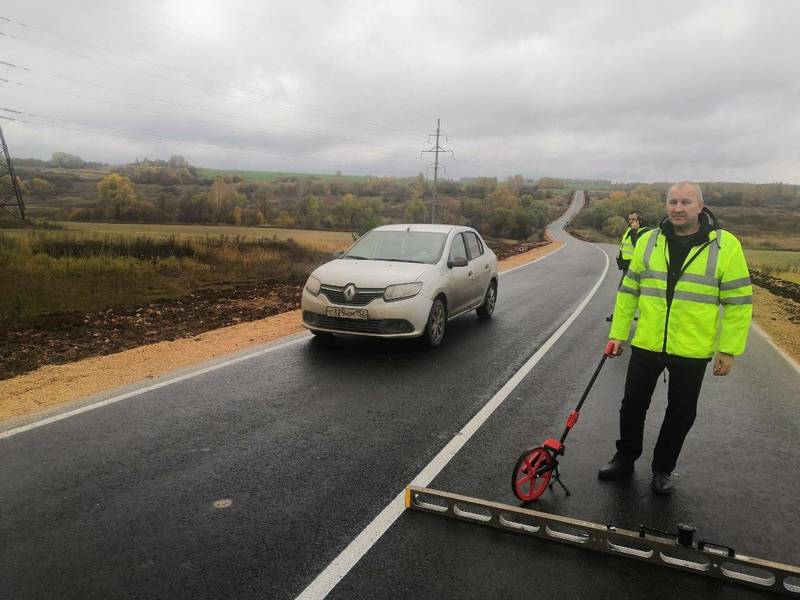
(337, 254)
(457, 262)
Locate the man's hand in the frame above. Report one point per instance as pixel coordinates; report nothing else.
(722, 364)
(618, 347)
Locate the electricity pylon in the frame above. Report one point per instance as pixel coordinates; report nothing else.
(435, 150)
(10, 194)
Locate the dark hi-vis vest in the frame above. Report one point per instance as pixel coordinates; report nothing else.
(714, 275)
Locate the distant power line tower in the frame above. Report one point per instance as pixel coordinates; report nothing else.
(10, 195)
(435, 150)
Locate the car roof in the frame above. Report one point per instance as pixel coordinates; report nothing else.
(433, 228)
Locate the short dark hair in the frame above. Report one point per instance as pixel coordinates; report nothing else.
(634, 212)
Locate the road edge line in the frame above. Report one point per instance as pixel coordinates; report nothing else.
(337, 569)
(94, 405)
(768, 338)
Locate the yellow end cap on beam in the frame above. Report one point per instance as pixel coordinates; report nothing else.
(408, 498)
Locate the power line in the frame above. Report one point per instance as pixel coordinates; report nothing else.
(125, 134)
(342, 118)
(229, 49)
(178, 104)
(482, 164)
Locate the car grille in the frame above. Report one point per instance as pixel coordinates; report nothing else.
(363, 297)
(379, 326)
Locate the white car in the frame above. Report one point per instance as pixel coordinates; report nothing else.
(402, 281)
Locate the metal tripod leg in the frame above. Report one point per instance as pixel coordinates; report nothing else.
(557, 479)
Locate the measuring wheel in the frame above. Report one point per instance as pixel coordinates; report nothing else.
(532, 474)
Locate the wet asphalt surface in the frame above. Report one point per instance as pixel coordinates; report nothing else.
(310, 442)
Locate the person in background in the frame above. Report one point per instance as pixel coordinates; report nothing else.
(626, 245)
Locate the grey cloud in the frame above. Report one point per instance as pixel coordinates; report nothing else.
(620, 90)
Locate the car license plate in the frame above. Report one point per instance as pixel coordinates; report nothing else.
(347, 313)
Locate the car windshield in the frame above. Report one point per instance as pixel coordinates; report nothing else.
(399, 246)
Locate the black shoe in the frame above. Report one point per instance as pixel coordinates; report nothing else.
(615, 469)
(661, 483)
(609, 318)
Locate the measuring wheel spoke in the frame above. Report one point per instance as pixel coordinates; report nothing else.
(532, 474)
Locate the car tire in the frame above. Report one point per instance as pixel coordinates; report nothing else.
(437, 323)
(486, 309)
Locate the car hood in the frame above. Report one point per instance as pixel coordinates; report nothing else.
(369, 273)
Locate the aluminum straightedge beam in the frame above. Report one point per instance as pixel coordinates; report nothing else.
(662, 548)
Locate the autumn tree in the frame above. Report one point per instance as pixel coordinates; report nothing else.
(311, 212)
(415, 212)
(502, 197)
(224, 196)
(40, 187)
(284, 220)
(515, 184)
(447, 211)
(418, 187)
(116, 193)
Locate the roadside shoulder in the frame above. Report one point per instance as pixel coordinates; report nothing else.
(47, 389)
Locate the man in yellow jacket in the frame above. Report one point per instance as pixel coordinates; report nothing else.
(626, 245)
(681, 274)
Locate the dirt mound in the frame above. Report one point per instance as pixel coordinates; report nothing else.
(65, 337)
(779, 287)
(503, 251)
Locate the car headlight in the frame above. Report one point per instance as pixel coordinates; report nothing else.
(312, 285)
(402, 290)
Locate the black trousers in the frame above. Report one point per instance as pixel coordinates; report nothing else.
(685, 381)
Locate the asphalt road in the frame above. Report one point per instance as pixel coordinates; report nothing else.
(310, 441)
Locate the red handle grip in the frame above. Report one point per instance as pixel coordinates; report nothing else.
(609, 351)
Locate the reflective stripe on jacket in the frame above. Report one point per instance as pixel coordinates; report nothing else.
(692, 326)
(626, 245)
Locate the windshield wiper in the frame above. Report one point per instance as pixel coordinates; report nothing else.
(355, 257)
(421, 262)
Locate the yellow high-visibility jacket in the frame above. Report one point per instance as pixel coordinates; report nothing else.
(692, 326)
(626, 245)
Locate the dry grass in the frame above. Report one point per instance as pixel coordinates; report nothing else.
(57, 271)
(327, 241)
(52, 386)
(778, 263)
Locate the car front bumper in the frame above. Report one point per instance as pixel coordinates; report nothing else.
(399, 319)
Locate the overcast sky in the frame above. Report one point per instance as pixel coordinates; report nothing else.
(627, 91)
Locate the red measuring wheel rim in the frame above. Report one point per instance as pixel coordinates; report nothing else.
(526, 480)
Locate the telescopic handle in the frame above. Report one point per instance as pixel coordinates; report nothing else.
(573, 416)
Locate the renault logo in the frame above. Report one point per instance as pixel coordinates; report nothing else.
(349, 292)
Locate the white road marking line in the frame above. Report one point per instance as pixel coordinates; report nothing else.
(341, 565)
(149, 388)
(772, 343)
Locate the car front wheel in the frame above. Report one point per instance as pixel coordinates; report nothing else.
(486, 309)
(437, 322)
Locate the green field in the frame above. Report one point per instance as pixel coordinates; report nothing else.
(778, 263)
(773, 241)
(320, 240)
(272, 175)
